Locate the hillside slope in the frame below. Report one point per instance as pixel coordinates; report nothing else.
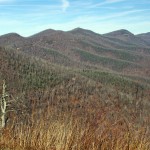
(128, 37)
(74, 89)
(119, 51)
(145, 37)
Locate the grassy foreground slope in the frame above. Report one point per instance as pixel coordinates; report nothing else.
(59, 108)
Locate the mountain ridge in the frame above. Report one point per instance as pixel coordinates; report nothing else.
(82, 48)
(78, 29)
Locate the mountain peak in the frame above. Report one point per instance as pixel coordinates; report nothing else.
(78, 29)
(120, 33)
(11, 35)
(83, 31)
(46, 32)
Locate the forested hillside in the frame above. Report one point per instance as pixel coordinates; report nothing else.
(75, 90)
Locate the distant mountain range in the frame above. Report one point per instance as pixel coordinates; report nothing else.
(119, 51)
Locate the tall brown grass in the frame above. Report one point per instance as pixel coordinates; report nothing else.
(54, 130)
(76, 116)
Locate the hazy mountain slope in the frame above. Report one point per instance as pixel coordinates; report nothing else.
(128, 37)
(145, 37)
(90, 36)
(12, 40)
(114, 64)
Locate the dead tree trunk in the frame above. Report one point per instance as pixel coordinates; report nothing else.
(3, 106)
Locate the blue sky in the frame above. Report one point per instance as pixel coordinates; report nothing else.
(28, 17)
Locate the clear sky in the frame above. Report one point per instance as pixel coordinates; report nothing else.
(27, 17)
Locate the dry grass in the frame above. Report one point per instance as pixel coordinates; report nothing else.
(78, 117)
(51, 131)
